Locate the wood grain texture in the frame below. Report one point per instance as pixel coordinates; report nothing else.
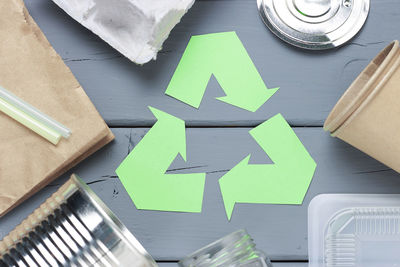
(279, 230)
(310, 82)
(276, 264)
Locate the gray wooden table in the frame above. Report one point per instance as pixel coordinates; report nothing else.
(217, 135)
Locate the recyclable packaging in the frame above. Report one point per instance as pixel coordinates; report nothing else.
(73, 228)
(314, 24)
(354, 230)
(234, 250)
(368, 114)
(136, 28)
(31, 70)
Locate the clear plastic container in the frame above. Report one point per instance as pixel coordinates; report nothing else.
(234, 250)
(354, 230)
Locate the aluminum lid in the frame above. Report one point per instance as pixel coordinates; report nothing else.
(314, 24)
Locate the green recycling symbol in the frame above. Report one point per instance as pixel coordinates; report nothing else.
(143, 172)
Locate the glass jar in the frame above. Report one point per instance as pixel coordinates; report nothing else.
(234, 250)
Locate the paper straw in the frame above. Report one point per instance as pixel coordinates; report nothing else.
(31, 123)
(34, 113)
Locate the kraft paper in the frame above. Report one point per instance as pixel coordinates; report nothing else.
(31, 69)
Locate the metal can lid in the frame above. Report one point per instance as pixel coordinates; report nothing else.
(314, 24)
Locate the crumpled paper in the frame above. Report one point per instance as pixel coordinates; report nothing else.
(32, 70)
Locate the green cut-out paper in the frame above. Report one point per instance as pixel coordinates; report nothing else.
(143, 172)
(224, 56)
(284, 182)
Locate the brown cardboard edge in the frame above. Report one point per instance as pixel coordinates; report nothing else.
(341, 112)
(99, 144)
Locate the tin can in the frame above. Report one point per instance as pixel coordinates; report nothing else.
(314, 24)
(72, 228)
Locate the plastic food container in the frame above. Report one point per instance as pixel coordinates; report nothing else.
(354, 230)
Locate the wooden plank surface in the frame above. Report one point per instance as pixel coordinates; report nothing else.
(276, 264)
(279, 230)
(310, 82)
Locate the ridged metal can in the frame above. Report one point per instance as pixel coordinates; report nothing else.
(73, 228)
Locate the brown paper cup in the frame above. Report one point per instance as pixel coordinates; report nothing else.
(367, 116)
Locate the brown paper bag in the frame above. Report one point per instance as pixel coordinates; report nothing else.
(32, 70)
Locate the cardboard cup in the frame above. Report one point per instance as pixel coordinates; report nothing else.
(367, 116)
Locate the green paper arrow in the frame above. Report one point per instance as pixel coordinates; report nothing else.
(284, 182)
(224, 56)
(143, 171)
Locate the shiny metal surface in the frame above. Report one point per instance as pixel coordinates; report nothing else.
(314, 24)
(72, 228)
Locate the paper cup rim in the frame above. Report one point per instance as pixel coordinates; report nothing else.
(361, 92)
